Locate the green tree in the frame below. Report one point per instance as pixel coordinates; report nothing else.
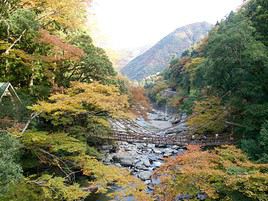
(237, 70)
(257, 11)
(93, 66)
(10, 170)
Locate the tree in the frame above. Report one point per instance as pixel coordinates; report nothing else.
(93, 99)
(93, 66)
(139, 103)
(11, 171)
(236, 61)
(208, 116)
(59, 14)
(83, 109)
(73, 173)
(221, 174)
(237, 70)
(257, 11)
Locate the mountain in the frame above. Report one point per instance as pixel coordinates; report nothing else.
(158, 57)
(126, 55)
(121, 57)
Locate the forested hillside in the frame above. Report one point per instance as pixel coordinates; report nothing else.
(222, 80)
(221, 83)
(157, 57)
(68, 90)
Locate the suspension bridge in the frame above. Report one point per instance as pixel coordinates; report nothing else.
(130, 131)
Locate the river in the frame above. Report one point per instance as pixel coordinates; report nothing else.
(142, 159)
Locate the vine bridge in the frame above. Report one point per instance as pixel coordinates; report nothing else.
(129, 131)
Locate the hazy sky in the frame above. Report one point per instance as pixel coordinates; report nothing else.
(136, 23)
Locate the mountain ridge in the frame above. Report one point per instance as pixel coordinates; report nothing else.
(156, 58)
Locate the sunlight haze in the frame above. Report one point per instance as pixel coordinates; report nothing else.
(130, 24)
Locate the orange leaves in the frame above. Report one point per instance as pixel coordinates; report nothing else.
(62, 50)
(139, 102)
(193, 148)
(216, 173)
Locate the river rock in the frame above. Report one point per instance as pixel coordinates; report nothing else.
(108, 159)
(202, 196)
(157, 164)
(140, 165)
(161, 145)
(107, 147)
(157, 151)
(177, 129)
(181, 151)
(117, 164)
(175, 151)
(145, 175)
(146, 162)
(168, 152)
(129, 148)
(151, 146)
(175, 147)
(124, 159)
(126, 162)
(155, 180)
(153, 158)
(147, 182)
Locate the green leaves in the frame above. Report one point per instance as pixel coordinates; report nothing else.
(10, 170)
(23, 19)
(56, 143)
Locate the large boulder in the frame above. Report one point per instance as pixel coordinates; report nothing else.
(124, 159)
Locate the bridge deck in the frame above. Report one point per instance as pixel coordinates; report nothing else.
(181, 140)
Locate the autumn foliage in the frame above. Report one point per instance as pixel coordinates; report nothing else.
(61, 50)
(92, 99)
(70, 14)
(221, 174)
(208, 116)
(139, 102)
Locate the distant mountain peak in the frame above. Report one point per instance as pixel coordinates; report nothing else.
(158, 57)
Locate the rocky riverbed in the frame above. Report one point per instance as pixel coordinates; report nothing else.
(142, 159)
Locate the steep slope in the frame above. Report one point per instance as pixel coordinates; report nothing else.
(124, 56)
(157, 58)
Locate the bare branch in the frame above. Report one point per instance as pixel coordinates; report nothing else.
(14, 43)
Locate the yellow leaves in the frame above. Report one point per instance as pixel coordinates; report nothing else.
(71, 13)
(159, 86)
(208, 116)
(82, 98)
(67, 150)
(191, 65)
(15, 53)
(112, 176)
(55, 142)
(55, 188)
(100, 121)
